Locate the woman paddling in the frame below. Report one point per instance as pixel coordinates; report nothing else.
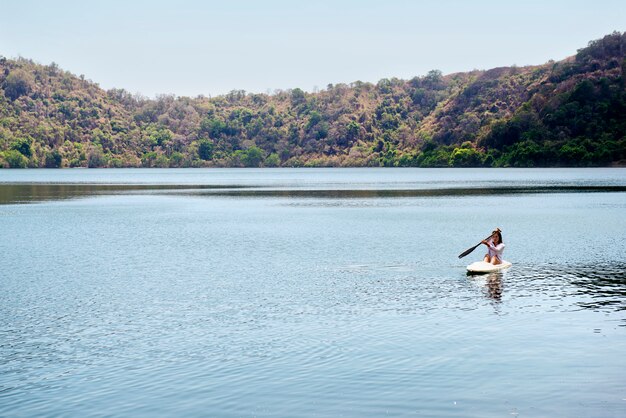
(495, 247)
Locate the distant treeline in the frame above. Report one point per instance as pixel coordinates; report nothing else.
(566, 113)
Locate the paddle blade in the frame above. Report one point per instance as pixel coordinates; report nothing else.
(469, 250)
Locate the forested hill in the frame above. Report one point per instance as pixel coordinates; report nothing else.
(566, 113)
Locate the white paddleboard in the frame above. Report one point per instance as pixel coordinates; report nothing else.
(479, 267)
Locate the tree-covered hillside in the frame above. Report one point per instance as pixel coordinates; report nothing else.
(570, 113)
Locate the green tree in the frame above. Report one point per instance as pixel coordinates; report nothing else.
(525, 154)
(15, 159)
(465, 157)
(407, 160)
(297, 96)
(205, 149)
(96, 158)
(161, 137)
(315, 117)
(18, 83)
(24, 146)
(573, 154)
(252, 157)
(148, 159)
(213, 127)
(53, 159)
(177, 159)
(434, 156)
(321, 130)
(353, 129)
(103, 139)
(161, 161)
(272, 160)
(433, 78)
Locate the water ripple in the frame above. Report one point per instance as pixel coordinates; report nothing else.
(186, 301)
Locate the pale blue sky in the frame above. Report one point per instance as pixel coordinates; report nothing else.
(190, 47)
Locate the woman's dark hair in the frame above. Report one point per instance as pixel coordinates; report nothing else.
(497, 231)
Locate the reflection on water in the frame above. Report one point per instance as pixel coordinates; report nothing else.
(22, 186)
(494, 285)
(31, 193)
(595, 287)
(400, 193)
(604, 284)
(491, 284)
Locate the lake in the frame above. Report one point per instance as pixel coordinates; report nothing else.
(311, 293)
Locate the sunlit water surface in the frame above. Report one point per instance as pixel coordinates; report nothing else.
(311, 292)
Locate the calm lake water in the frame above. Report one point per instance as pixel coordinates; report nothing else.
(311, 292)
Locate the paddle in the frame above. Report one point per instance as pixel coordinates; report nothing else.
(469, 250)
